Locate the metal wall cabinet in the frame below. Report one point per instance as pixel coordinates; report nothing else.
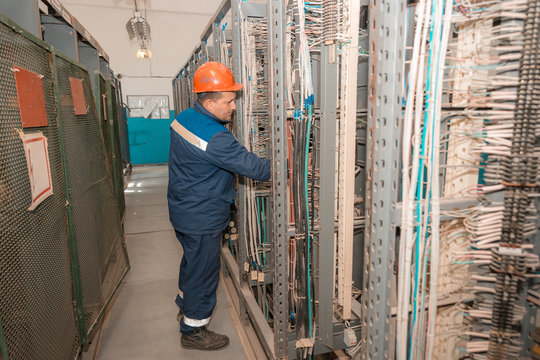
(24, 13)
(60, 35)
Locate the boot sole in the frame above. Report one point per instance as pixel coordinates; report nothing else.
(194, 347)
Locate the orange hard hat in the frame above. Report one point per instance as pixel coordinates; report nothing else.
(214, 76)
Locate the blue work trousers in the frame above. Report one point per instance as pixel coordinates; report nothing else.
(198, 279)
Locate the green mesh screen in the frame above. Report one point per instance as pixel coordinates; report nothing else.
(122, 124)
(116, 148)
(97, 223)
(36, 301)
(101, 97)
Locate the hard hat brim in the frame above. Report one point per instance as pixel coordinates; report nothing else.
(235, 87)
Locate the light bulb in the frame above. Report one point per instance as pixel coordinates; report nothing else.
(144, 53)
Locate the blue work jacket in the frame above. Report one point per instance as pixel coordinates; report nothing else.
(202, 164)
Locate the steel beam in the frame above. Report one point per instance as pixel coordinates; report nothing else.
(386, 33)
(237, 69)
(216, 18)
(70, 19)
(327, 197)
(280, 214)
(217, 42)
(263, 330)
(347, 160)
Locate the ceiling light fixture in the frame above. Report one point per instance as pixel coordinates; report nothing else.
(138, 27)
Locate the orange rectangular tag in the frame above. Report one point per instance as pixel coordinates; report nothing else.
(31, 98)
(77, 93)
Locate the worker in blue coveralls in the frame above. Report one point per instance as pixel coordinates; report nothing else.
(204, 156)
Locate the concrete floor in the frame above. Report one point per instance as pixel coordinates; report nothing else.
(142, 324)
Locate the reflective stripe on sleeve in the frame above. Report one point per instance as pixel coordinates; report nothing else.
(189, 136)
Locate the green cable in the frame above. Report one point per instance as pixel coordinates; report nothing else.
(310, 315)
(259, 225)
(264, 228)
(230, 241)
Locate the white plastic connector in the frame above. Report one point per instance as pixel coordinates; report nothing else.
(349, 337)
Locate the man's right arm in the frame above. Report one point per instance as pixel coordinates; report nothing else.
(226, 152)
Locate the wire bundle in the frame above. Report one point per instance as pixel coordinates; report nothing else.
(519, 175)
(301, 17)
(420, 187)
(483, 137)
(494, 115)
(256, 136)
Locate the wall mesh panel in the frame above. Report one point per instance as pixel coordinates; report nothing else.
(97, 223)
(122, 121)
(36, 301)
(116, 148)
(103, 115)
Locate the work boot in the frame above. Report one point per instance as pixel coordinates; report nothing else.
(204, 339)
(180, 314)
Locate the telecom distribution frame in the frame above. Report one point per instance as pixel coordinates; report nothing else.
(401, 218)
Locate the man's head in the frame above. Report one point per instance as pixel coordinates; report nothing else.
(220, 104)
(216, 89)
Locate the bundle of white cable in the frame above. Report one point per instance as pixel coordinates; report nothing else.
(304, 58)
(427, 235)
(416, 88)
(251, 71)
(435, 206)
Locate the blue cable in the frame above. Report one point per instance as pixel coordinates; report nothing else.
(435, 148)
(310, 314)
(419, 186)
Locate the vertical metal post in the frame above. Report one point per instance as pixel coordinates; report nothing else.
(74, 254)
(327, 197)
(181, 94)
(387, 19)
(276, 20)
(117, 182)
(98, 92)
(237, 68)
(175, 93)
(204, 52)
(347, 160)
(217, 42)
